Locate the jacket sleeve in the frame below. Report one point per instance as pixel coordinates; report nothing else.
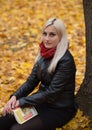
(64, 72)
(31, 82)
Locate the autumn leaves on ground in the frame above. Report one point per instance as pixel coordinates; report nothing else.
(21, 22)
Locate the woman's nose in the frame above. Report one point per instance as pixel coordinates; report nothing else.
(47, 38)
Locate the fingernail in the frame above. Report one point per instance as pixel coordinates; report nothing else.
(12, 107)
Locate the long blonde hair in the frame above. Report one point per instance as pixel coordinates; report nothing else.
(62, 45)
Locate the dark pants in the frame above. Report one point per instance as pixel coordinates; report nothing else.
(48, 118)
(8, 122)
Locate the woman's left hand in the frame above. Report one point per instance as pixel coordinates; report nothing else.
(9, 106)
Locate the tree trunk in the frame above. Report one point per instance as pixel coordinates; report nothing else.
(84, 95)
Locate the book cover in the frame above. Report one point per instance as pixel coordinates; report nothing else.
(24, 114)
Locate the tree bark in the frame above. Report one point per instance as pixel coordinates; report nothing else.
(84, 95)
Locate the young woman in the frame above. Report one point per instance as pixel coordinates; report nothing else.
(54, 71)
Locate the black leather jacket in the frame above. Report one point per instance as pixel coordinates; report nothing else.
(56, 89)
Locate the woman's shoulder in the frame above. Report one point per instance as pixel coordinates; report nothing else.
(67, 57)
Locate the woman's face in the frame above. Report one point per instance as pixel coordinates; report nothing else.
(50, 37)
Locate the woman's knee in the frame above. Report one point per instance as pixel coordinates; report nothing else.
(6, 122)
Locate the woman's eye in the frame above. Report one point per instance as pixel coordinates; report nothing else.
(52, 34)
(44, 34)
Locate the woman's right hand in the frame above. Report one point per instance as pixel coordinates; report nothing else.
(9, 105)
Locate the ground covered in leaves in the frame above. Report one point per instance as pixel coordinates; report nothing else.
(20, 29)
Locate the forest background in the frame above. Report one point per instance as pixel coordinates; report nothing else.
(21, 24)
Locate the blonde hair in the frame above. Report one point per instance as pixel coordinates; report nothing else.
(62, 45)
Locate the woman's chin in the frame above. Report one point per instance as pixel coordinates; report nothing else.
(47, 46)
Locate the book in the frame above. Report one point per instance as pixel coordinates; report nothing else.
(24, 114)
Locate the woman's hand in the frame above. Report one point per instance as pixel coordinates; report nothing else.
(17, 104)
(11, 104)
